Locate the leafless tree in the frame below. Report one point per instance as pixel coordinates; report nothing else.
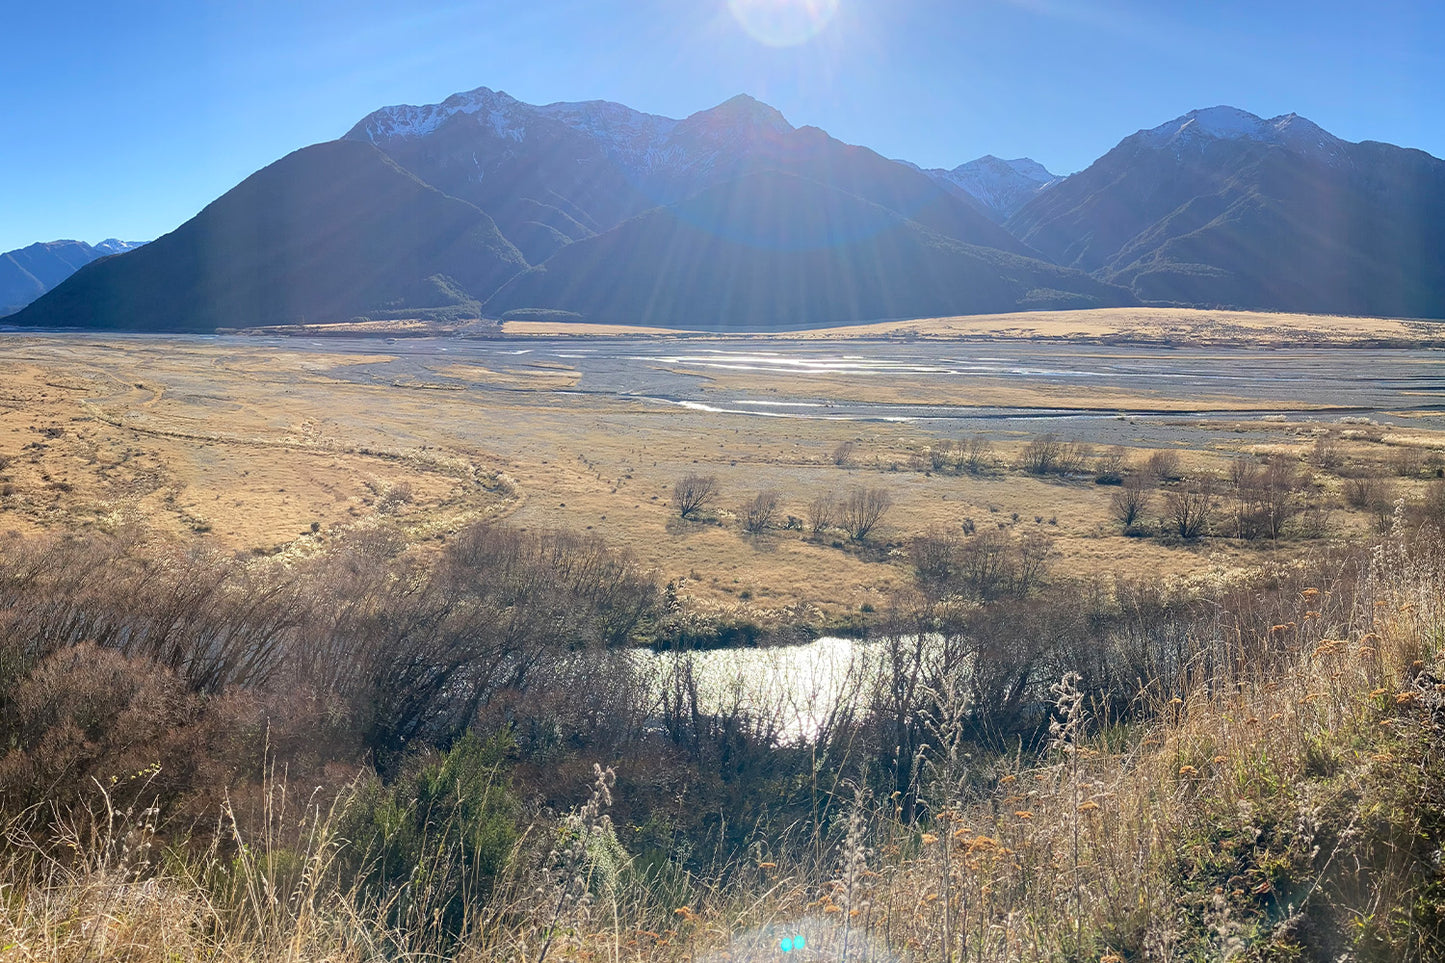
(1034, 550)
(693, 493)
(758, 513)
(1041, 455)
(843, 454)
(823, 513)
(935, 561)
(1132, 500)
(863, 509)
(984, 564)
(1265, 499)
(977, 455)
(1050, 455)
(1407, 461)
(1190, 507)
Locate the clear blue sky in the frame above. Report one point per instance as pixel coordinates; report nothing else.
(124, 119)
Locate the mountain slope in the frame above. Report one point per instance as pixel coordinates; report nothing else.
(558, 173)
(1220, 207)
(28, 272)
(775, 250)
(326, 233)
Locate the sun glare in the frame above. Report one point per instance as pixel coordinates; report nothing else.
(783, 23)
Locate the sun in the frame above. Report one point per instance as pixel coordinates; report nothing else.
(783, 23)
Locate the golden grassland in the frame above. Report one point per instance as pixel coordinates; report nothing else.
(278, 450)
(1274, 793)
(1175, 326)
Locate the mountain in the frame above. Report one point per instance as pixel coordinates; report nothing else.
(558, 173)
(28, 272)
(776, 250)
(733, 218)
(114, 245)
(1221, 207)
(1000, 186)
(329, 232)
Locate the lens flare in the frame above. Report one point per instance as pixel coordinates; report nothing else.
(783, 23)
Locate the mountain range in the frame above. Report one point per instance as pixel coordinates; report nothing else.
(28, 272)
(732, 218)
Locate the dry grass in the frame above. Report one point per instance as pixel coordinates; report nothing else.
(256, 446)
(1283, 809)
(1176, 326)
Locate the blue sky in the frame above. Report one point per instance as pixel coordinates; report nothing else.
(126, 119)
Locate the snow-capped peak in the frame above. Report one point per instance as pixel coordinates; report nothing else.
(646, 142)
(1002, 186)
(114, 245)
(405, 121)
(1290, 131)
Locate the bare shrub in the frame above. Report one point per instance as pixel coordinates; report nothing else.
(862, 510)
(1050, 455)
(1109, 468)
(1327, 453)
(1373, 495)
(935, 561)
(943, 456)
(758, 513)
(1132, 500)
(1190, 507)
(1406, 461)
(1032, 561)
(1163, 465)
(1041, 455)
(822, 513)
(1265, 498)
(977, 455)
(843, 454)
(1365, 491)
(693, 493)
(395, 496)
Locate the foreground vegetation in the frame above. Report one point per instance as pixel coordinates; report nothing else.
(381, 753)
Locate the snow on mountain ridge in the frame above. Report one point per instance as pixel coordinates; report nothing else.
(1291, 131)
(1002, 186)
(647, 141)
(114, 245)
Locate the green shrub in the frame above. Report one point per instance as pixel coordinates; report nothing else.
(429, 847)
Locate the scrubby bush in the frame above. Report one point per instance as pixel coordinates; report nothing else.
(758, 513)
(427, 849)
(1190, 508)
(1132, 501)
(862, 510)
(822, 513)
(692, 493)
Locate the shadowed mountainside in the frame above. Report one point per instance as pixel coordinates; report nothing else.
(1219, 207)
(28, 272)
(776, 250)
(329, 232)
(561, 172)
